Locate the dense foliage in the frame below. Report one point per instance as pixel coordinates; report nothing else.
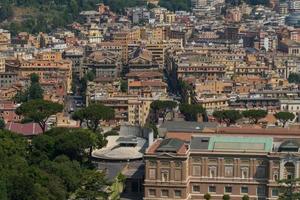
(254, 115)
(175, 5)
(289, 189)
(294, 78)
(227, 116)
(54, 166)
(191, 112)
(45, 15)
(161, 109)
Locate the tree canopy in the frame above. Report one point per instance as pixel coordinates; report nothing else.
(161, 108)
(46, 15)
(39, 111)
(284, 117)
(288, 189)
(47, 169)
(255, 115)
(92, 115)
(294, 78)
(175, 5)
(227, 116)
(191, 112)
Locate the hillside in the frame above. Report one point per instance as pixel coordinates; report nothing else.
(41, 15)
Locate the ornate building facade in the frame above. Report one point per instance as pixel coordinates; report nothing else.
(220, 165)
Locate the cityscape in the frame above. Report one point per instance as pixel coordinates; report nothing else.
(150, 99)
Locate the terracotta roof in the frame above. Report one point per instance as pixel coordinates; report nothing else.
(154, 83)
(135, 84)
(180, 136)
(144, 74)
(153, 147)
(29, 129)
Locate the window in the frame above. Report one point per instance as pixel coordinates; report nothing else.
(260, 190)
(165, 193)
(275, 192)
(152, 192)
(152, 173)
(212, 189)
(228, 189)
(177, 193)
(196, 170)
(228, 171)
(244, 190)
(165, 176)
(196, 188)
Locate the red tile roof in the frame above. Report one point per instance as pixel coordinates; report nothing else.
(29, 129)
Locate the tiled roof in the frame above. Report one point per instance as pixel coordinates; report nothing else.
(29, 129)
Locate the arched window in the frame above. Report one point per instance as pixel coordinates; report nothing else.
(289, 170)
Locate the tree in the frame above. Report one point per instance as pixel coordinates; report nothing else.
(284, 117)
(294, 78)
(92, 115)
(117, 187)
(175, 5)
(245, 197)
(79, 115)
(39, 111)
(289, 189)
(207, 196)
(226, 197)
(191, 111)
(55, 175)
(34, 91)
(228, 116)
(93, 187)
(219, 115)
(123, 85)
(255, 115)
(2, 124)
(161, 108)
(96, 112)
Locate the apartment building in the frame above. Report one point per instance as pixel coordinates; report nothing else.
(48, 70)
(104, 64)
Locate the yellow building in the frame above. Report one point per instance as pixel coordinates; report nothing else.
(213, 87)
(130, 36)
(48, 70)
(52, 56)
(2, 64)
(170, 17)
(4, 39)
